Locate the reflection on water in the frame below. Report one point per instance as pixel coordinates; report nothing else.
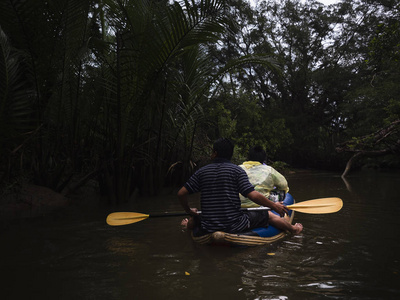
(122, 246)
(352, 254)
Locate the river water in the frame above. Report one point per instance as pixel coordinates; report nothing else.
(351, 254)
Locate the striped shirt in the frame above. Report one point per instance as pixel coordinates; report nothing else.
(220, 184)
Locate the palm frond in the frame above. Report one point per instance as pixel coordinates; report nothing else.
(15, 96)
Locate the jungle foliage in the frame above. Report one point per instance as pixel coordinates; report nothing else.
(131, 93)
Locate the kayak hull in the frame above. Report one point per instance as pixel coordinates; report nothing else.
(254, 237)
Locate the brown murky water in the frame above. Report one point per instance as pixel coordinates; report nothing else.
(352, 254)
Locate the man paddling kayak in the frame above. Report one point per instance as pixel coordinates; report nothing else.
(220, 183)
(264, 178)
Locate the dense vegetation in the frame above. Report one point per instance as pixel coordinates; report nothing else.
(131, 93)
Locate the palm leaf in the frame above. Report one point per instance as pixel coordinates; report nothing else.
(15, 96)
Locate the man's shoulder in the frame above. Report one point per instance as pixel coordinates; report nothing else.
(225, 165)
(265, 168)
(231, 165)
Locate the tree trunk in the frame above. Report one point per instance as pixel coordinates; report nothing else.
(350, 163)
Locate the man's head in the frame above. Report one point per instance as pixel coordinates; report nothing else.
(223, 148)
(257, 153)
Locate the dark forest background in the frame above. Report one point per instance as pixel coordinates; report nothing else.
(132, 93)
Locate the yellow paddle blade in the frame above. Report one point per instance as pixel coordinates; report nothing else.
(318, 206)
(124, 218)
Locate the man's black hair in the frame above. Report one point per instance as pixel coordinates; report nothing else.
(224, 148)
(257, 153)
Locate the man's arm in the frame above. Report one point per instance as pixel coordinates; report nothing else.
(260, 199)
(279, 180)
(183, 199)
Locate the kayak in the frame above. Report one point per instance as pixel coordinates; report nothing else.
(253, 237)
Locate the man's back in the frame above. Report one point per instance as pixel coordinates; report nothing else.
(220, 184)
(264, 178)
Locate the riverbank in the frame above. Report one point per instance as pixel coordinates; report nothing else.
(26, 200)
(30, 201)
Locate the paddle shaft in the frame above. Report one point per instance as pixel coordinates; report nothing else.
(316, 206)
(291, 207)
(168, 214)
(176, 214)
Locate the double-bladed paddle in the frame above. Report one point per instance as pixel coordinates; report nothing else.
(316, 206)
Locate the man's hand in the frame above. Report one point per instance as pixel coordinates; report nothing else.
(193, 212)
(260, 199)
(280, 209)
